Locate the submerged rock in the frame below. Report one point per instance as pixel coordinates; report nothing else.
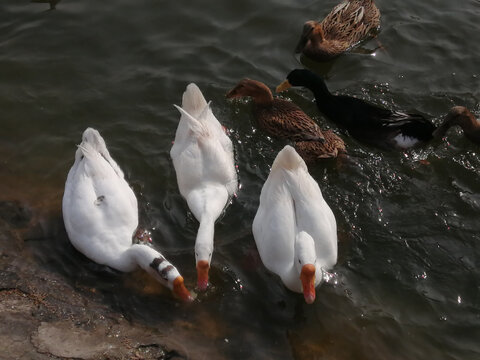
(45, 314)
(15, 214)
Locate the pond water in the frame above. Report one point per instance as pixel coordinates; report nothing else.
(407, 281)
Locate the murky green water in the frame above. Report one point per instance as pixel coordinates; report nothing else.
(407, 282)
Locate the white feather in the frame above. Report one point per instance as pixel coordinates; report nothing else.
(204, 165)
(100, 212)
(292, 207)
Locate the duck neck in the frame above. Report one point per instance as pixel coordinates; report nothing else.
(304, 254)
(327, 103)
(263, 96)
(291, 278)
(204, 240)
(470, 124)
(318, 34)
(152, 262)
(319, 89)
(304, 250)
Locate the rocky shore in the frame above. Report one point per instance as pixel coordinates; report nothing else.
(44, 315)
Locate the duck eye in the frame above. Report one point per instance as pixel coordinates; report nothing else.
(299, 261)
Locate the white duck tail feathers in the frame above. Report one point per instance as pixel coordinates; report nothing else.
(87, 150)
(193, 100)
(93, 137)
(93, 146)
(198, 126)
(301, 185)
(288, 159)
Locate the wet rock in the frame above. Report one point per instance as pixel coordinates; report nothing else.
(15, 214)
(66, 339)
(8, 279)
(44, 314)
(16, 326)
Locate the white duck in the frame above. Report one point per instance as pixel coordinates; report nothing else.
(100, 214)
(294, 228)
(202, 155)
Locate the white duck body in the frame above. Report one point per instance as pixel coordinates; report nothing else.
(294, 226)
(101, 215)
(203, 158)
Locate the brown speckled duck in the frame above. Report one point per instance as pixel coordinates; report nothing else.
(349, 23)
(283, 119)
(312, 151)
(461, 116)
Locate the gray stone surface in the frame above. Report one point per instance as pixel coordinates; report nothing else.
(43, 316)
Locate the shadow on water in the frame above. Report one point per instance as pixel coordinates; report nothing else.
(52, 3)
(320, 68)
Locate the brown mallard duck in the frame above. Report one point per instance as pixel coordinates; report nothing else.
(461, 116)
(283, 119)
(349, 23)
(312, 151)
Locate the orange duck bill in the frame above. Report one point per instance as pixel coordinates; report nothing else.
(180, 290)
(307, 276)
(283, 86)
(202, 274)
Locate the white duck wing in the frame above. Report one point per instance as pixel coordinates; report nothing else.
(188, 154)
(96, 141)
(220, 131)
(314, 216)
(274, 225)
(98, 204)
(193, 103)
(206, 174)
(290, 202)
(201, 157)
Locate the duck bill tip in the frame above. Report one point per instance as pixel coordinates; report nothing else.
(309, 291)
(232, 94)
(309, 298)
(180, 290)
(283, 86)
(202, 275)
(307, 277)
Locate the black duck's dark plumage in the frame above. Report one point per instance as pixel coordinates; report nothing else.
(366, 122)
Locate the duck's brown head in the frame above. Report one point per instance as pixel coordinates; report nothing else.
(311, 29)
(461, 116)
(257, 90)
